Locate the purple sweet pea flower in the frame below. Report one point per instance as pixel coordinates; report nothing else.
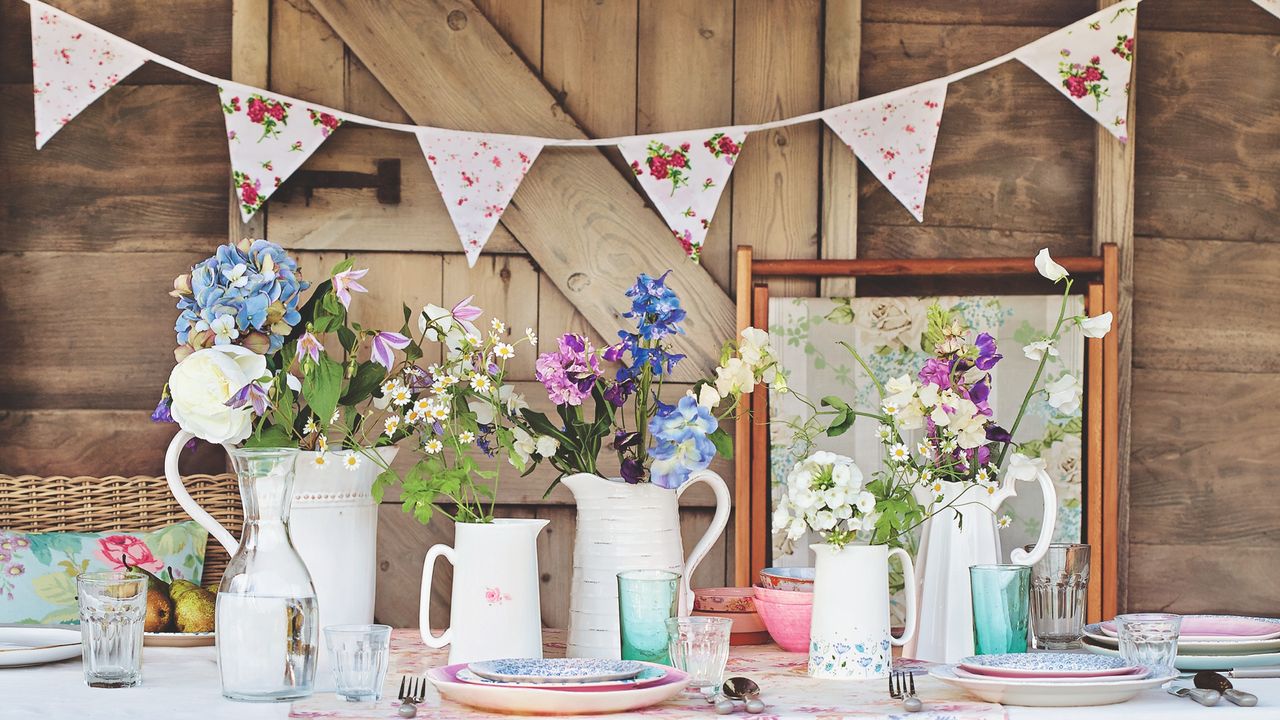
(996, 433)
(161, 414)
(618, 392)
(253, 394)
(466, 313)
(936, 372)
(987, 355)
(309, 345)
(383, 345)
(983, 455)
(570, 372)
(632, 471)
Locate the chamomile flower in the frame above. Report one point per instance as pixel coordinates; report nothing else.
(413, 416)
(481, 383)
(531, 336)
(439, 387)
(391, 425)
(400, 395)
(351, 461)
(466, 437)
(322, 445)
(899, 453)
(310, 427)
(923, 448)
(320, 461)
(890, 408)
(497, 326)
(926, 475)
(337, 415)
(884, 432)
(433, 446)
(1004, 521)
(937, 488)
(438, 411)
(389, 386)
(504, 351)
(421, 405)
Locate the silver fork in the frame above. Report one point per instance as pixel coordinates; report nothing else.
(902, 686)
(413, 691)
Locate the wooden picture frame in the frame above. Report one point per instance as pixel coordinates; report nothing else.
(1097, 280)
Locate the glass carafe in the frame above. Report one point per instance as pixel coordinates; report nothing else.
(267, 622)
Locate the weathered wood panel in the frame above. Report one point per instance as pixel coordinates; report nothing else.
(589, 60)
(95, 443)
(1053, 13)
(1182, 576)
(842, 56)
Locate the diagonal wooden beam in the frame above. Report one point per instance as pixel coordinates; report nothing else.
(575, 214)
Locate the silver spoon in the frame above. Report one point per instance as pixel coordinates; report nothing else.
(741, 688)
(1214, 681)
(1207, 698)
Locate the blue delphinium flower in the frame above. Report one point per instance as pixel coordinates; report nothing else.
(681, 445)
(655, 307)
(247, 293)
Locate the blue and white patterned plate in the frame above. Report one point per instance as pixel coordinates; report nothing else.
(558, 670)
(649, 675)
(1047, 664)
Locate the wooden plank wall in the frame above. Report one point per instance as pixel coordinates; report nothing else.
(138, 186)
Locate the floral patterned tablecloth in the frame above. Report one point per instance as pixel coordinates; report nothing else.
(787, 689)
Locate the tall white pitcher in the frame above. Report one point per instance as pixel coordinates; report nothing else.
(849, 635)
(628, 527)
(948, 547)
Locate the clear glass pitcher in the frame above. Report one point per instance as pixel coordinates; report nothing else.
(267, 621)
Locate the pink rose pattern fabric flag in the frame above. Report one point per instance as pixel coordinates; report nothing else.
(269, 138)
(477, 176)
(1090, 62)
(71, 66)
(684, 175)
(894, 136)
(1271, 6)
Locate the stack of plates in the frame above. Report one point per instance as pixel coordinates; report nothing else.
(28, 645)
(570, 686)
(1207, 642)
(1050, 679)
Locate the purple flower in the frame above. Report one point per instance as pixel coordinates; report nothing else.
(655, 307)
(309, 345)
(466, 313)
(345, 281)
(996, 433)
(987, 355)
(253, 394)
(632, 471)
(983, 455)
(569, 373)
(161, 413)
(383, 345)
(936, 372)
(618, 392)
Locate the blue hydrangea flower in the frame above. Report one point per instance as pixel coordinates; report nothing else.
(680, 442)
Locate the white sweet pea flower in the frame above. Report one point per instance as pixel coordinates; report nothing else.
(1097, 326)
(1048, 268)
(755, 348)
(1024, 468)
(708, 397)
(546, 446)
(735, 377)
(1064, 394)
(1038, 349)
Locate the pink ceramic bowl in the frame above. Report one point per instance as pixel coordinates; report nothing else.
(788, 578)
(787, 624)
(724, 600)
(783, 597)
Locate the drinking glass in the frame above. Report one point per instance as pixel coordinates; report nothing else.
(1059, 594)
(1149, 639)
(700, 647)
(359, 657)
(1000, 595)
(646, 599)
(113, 609)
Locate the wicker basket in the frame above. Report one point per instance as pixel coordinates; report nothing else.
(127, 504)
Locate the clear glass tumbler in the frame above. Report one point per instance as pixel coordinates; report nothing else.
(1059, 595)
(700, 647)
(359, 657)
(1149, 639)
(113, 609)
(1000, 594)
(646, 599)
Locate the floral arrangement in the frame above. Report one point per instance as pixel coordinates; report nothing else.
(936, 427)
(654, 441)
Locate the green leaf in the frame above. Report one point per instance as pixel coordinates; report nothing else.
(543, 426)
(723, 443)
(369, 375)
(321, 385)
(347, 337)
(842, 422)
(385, 479)
(342, 266)
(832, 401)
(269, 437)
(57, 588)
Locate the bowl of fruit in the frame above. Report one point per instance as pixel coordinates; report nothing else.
(179, 613)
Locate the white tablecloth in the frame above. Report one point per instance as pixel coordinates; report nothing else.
(182, 684)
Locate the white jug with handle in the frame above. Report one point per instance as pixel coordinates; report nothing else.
(849, 636)
(624, 526)
(949, 545)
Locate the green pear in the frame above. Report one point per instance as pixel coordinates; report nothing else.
(194, 610)
(178, 588)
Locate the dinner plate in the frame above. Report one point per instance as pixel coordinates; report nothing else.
(558, 670)
(1217, 628)
(1045, 665)
(546, 701)
(176, 639)
(1050, 693)
(23, 646)
(1202, 662)
(1222, 646)
(1136, 673)
(648, 676)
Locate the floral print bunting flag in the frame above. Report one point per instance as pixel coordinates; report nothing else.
(477, 175)
(684, 175)
(269, 137)
(1090, 62)
(894, 136)
(72, 64)
(1271, 6)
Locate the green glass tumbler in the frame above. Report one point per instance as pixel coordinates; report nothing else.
(1001, 596)
(646, 600)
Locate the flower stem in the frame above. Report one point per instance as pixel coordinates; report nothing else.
(1035, 379)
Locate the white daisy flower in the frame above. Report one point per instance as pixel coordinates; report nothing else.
(310, 427)
(923, 448)
(438, 411)
(320, 461)
(400, 395)
(391, 425)
(890, 409)
(481, 383)
(413, 417)
(899, 453)
(504, 351)
(926, 475)
(497, 325)
(322, 445)
(884, 432)
(351, 460)
(1004, 521)
(439, 387)
(983, 476)
(337, 415)
(937, 488)
(466, 437)
(433, 446)
(421, 405)
(389, 386)
(531, 336)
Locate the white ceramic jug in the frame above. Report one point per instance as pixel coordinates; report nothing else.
(849, 635)
(495, 610)
(622, 527)
(948, 547)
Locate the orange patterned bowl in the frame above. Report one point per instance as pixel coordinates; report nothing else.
(724, 600)
(787, 624)
(788, 578)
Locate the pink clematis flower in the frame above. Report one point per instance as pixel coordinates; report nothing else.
(345, 282)
(383, 345)
(310, 346)
(466, 314)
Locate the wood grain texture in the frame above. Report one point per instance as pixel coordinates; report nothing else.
(308, 60)
(777, 73)
(1055, 13)
(94, 442)
(1235, 587)
(589, 60)
(506, 288)
(842, 56)
(685, 50)
(593, 258)
(251, 65)
(1228, 16)
(520, 23)
(557, 316)
(105, 186)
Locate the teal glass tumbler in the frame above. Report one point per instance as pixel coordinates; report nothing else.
(1001, 596)
(646, 600)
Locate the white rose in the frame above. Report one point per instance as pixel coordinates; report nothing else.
(1097, 326)
(201, 385)
(897, 322)
(1048, 268)
(1064, 394)
(1062, 461)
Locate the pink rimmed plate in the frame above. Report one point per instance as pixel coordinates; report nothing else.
(1210, 628)
(1137, 673)
(543, 701)
(650, 675)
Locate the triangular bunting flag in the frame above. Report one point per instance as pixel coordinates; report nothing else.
(1091, 61)
(72, 64)
(894, 136)
(477, 175)
(684, 175)
(269, 137)
(1271, 6)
